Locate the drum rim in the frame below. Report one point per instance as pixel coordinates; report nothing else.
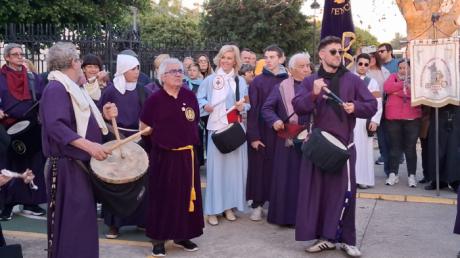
(224, 128)
(327, 134)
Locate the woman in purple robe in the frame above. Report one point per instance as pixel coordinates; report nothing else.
(20, 92)
(174, 200)
(123, 93)
(278, 111)
(72, 129)
(326, 201)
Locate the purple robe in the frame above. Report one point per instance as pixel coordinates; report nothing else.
(260, 162)
(285, 177)
(321, 195)
(457, 221)
(17, 192)
(129, 109)
(150, 88)
(75, 230)
(175, 125)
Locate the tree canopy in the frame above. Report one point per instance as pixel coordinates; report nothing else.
(257, 23)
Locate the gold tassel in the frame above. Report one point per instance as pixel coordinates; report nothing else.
(192, 198)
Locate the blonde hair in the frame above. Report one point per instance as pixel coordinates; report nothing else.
(229, 48)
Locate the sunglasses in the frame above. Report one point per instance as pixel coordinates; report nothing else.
(175, 72)
(335, 51)
(382, 51)
(365, 64)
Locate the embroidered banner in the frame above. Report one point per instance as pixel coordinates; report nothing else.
(435, 72)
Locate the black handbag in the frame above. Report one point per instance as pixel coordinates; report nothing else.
(325, 151)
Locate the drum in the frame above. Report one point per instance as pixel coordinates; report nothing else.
(300, 139)
(229, 138)
(119, 170)
(25, 138)
(290, 131)
(325, 151)
(120, 183)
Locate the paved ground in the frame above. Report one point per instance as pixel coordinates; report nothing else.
(408, 227)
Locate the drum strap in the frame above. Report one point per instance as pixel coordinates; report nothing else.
(52, 205)
(191, 207)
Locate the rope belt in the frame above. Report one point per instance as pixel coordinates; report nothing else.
(347, 199)
(191, 207)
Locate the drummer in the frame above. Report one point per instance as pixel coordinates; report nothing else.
(19, 91)
(124, 95)
(174, 202)
(72, 129)
(278, 111)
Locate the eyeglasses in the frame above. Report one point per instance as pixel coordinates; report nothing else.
(382, 51)
(203, 61)
(365, 64)
(335, 51)
(175, 72)
(17, 55)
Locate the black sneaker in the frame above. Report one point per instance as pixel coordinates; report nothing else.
(187, 245)
(33, 210)
(159, 250)
(7, 213)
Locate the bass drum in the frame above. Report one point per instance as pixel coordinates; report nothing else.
(25, 139)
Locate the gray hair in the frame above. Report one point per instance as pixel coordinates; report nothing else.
(9, 47)
(61, 55)
(295, 57)
(229, 48)
(165, 63)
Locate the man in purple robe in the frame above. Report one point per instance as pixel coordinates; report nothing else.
(72, 128)
(327, 200)
(175, 209)
(278, 112)
(20, 92)
(260, 134)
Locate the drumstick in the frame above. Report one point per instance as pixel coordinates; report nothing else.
(130, 138)
(333, 96)
(12, 174)
(117, 135)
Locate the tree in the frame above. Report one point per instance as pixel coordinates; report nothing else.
(396, 42)
(67, 11)
(364, 38)
(257, 23)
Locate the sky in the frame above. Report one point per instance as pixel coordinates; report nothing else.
(381, 18)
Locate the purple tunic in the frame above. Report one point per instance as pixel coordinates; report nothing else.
(321, 195)
(151, 88)
(260, 162)
(75, 230)
(457, 221)
(18, 192)
(175, 125)
(285, 177)
(129, 109)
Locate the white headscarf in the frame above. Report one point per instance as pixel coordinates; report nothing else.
(124, 64)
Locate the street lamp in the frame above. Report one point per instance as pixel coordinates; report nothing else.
(314, 6)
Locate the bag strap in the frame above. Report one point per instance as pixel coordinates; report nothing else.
(237, 90)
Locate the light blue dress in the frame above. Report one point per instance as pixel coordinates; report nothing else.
(226, 173)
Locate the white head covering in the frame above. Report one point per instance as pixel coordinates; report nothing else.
(124, 64)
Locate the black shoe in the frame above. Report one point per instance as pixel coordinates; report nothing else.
(33, 210)
(432, 186)
(7, 213)
(159, 250)
(187, 245)
(424, 181)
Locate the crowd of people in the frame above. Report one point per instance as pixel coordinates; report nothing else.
(186, 111)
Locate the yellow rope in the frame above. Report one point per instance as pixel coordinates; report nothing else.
(191, 207)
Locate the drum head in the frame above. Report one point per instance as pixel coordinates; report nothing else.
(225, 128)
(302, 135)
(333, 140)
(118, 170)
(18, 127)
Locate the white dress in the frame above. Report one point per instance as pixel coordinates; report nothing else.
(225, 173)
(364, 144)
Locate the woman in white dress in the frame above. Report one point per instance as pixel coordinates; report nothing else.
(364, 142)
(226, 173)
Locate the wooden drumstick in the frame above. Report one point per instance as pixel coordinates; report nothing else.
(130, 138)
(117, 135)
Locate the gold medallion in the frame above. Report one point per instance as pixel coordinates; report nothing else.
(190, 114)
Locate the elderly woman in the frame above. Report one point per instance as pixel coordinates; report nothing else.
(72, 129)
(279, 113)
(96, 78)
(174, 200)
(226, 173)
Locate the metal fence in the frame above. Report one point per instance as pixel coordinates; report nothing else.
(106, 41)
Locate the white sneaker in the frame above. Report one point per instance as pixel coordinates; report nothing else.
(256, 214)
(411, 181)
(351, 250)
(319, 246)
(392, 179)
